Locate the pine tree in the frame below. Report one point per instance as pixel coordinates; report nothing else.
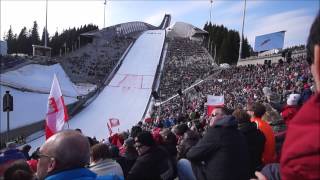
(35, 38)
(11, 41)
(22, 41)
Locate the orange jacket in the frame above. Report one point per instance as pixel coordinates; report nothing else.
(269, 152)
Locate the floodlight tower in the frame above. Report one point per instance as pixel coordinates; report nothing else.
(241, 35)
(211, 1)
(46, 28)
(104, 13)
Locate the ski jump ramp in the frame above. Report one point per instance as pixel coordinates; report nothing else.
(127, 95)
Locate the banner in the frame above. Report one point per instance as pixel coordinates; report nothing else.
(213, 102)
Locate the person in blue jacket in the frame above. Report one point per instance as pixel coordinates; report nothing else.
(64, 157)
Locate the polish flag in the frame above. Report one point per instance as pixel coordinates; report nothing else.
(114, 122)
(57, 113)
(213, 102)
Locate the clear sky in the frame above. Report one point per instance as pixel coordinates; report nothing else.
(263, 16)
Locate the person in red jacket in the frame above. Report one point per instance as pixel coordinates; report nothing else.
(256, 110)
(291, 109)
(301, 150)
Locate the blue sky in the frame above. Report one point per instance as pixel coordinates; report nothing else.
(294, 16)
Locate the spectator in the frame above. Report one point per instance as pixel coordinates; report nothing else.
(25, 150)
(222, 153)
(130, 154)
(19, 170)
(255, 139)
(153, 162)
(101, 162)
(306, 93)
(10, 155)
(169, 142)
(291, 109)
(257, 110)
(189, 139)
(115, 154)
(64, 156)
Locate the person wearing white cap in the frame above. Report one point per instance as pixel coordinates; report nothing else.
(291, 108)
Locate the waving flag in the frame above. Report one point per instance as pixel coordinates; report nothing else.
(114, 122)
(57, 113)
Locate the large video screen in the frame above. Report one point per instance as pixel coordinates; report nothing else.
(269, 41)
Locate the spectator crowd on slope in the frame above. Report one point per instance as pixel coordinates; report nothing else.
(268, 128)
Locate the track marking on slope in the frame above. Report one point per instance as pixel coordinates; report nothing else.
(131, 81)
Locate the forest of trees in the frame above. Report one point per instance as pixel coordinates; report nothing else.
(224, 44)
(22, 43)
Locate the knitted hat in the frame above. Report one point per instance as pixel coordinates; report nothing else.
(145, 138)
(293, 99)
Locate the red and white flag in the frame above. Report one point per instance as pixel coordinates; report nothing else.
(213, 102)
(114, 122)
(57, 113)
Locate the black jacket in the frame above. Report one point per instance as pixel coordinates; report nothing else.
(222, 154)
(256, 140)
(153, 165)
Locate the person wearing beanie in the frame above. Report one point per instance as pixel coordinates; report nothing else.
(153, 162)
(291, 108)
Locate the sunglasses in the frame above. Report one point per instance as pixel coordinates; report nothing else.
(40, 155)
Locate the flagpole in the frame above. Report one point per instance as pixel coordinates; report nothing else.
(241, 36)
(104, 14)
(45, 33)
(211, 1)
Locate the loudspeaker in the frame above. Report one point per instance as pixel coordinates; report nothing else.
(7, 102)
(197, 88)
(180, 92)
(155, 95)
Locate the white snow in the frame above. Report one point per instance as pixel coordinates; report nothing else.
(31, 107)
(127, 95)
(84, 88)
(39, 78)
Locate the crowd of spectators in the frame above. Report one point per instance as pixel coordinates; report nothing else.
(186, 61)
(268, 135)
(95, 61)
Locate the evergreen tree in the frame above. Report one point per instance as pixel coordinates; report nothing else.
(34, 37)
(11, 41)
(226, 43)
(22, 41)
(246, 49)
